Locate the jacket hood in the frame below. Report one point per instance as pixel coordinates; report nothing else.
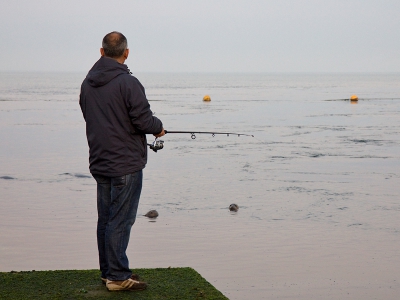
(105, 70)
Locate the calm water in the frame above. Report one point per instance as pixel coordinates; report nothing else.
(318, 186)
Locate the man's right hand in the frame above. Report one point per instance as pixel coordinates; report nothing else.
(160, 134)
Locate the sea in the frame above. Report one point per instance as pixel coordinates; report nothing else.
(318, 186)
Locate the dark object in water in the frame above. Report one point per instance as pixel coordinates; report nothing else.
(7, 177)
(233, 207)
(152, 214)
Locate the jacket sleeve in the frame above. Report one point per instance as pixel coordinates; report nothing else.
(82, 102)
(139, 109)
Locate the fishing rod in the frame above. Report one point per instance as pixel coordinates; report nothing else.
(159, 144)
(193, 133)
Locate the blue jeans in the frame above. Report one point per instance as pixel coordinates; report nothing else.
(117, 204)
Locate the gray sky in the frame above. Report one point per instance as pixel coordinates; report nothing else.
(204, 36)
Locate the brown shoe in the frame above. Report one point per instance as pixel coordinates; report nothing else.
(133, 276)
(126, 285)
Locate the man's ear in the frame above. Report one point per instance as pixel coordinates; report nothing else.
(126, 53)
(102, 52)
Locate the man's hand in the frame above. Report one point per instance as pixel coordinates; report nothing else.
(160, 134)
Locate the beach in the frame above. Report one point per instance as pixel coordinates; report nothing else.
(317, 187)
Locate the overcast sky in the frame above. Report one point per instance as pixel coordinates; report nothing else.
(204, 36)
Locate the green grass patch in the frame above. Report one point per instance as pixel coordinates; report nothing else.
(169, 283)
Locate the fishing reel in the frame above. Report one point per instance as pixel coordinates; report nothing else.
(156, 145)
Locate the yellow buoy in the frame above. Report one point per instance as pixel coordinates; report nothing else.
(206, 98)
(353, 98)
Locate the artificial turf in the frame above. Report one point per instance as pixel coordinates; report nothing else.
(163, 283)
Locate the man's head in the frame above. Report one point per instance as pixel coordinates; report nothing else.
(115, 45)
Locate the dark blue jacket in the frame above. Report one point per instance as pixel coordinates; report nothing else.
(117, 116)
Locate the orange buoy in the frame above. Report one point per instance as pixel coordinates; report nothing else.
(353, 98)
(206, 98)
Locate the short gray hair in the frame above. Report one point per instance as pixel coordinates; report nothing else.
(114, 44)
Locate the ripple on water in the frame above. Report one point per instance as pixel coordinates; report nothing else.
(77, 175)
(7, 177)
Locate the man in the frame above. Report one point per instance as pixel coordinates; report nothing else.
(118, 117)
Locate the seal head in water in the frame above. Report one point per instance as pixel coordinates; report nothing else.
(152, 214)
(233, 207)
